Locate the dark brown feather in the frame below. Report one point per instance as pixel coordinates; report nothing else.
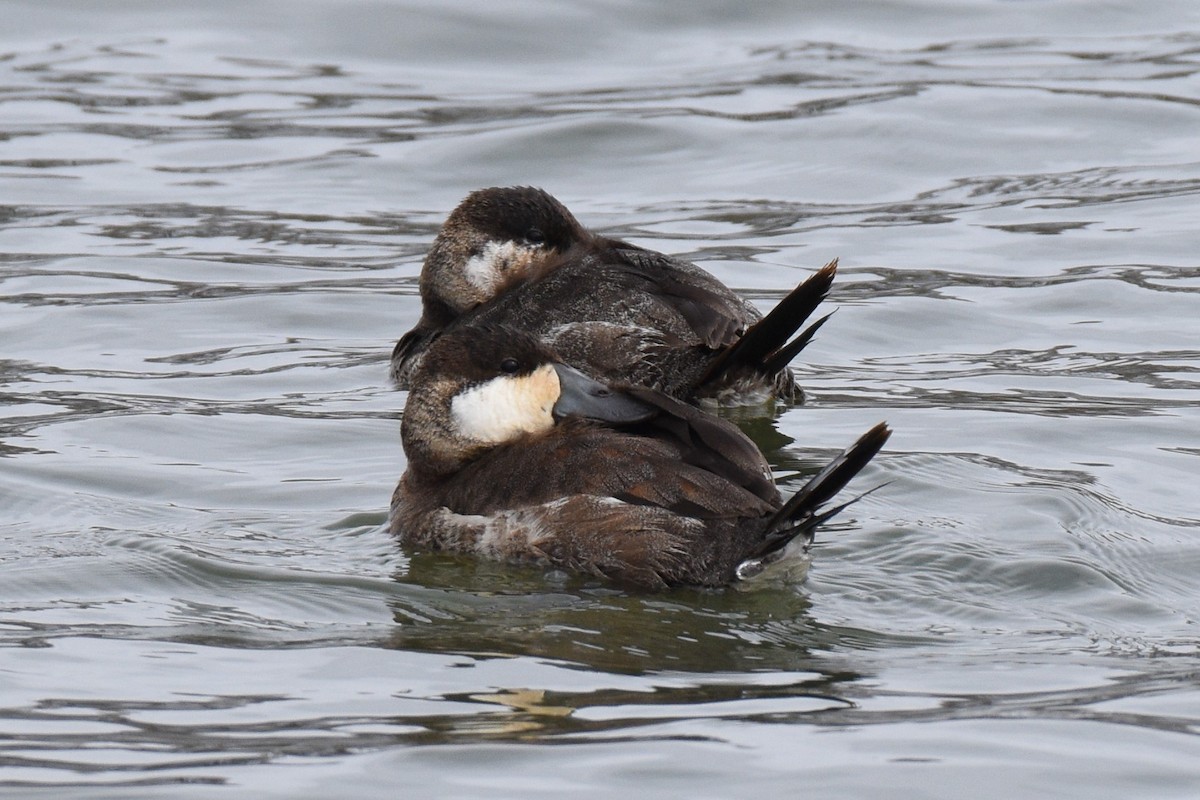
(713, 314)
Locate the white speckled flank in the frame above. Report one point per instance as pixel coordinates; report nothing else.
(508, 533)
(506, 407)
(486, 271)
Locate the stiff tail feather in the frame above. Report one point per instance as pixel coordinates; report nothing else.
(802, 512)
(765, 346)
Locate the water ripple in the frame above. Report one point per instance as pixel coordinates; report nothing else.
(208, 249)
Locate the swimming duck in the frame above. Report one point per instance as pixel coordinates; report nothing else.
(515, 456)
(516, 256)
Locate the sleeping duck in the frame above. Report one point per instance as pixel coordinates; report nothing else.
(616, 311)
(516, 456)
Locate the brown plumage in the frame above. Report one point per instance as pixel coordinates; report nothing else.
(517, 257)
(628, 484)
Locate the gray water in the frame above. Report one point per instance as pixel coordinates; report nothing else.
(212, 216)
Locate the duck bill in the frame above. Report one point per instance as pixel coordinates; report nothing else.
(580, 396)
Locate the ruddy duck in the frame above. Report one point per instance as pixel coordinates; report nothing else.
(619, 312)
(515, 456)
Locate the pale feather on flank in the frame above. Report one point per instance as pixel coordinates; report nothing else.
(504, 408)
(514, 534)
(786, 567)
(582, 533)
(505, 536)
(738, 394)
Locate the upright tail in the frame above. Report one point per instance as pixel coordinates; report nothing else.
(765, 347)
(802, 512)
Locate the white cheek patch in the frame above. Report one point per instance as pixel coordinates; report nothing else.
(487, 271)
(504, 408)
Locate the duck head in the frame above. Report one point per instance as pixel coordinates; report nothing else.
(481, 387)
(494, 239)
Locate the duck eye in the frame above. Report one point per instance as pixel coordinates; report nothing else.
(535, 236)
(509, 365)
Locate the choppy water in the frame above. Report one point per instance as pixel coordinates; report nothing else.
(211, 221)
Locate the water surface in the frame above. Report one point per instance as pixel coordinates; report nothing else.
(211, 222)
